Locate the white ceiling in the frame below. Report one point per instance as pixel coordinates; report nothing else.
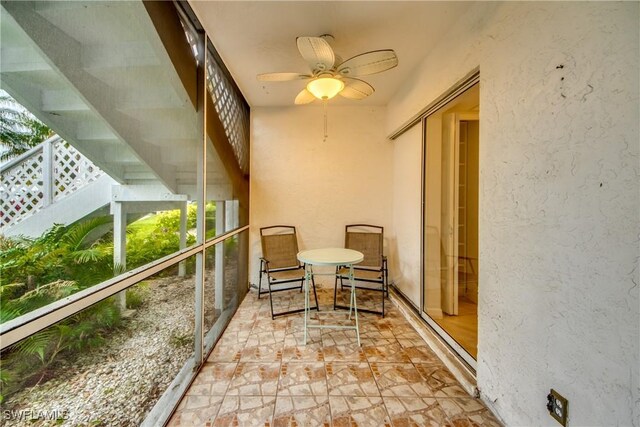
(256, 37)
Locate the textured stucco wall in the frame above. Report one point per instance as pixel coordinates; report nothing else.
(559, 202)
(318, 186)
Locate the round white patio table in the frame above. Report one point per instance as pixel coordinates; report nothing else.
(330, 257)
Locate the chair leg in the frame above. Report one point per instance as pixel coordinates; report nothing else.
(335, 289)
(382, 293)
(386, 280)
(271, 301)
(260, 280)
(315, 295)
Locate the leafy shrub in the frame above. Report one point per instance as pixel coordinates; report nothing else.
(28, 361)
(180, 340)
(64, 260)
(35, 272)
(136, 295)
(157, 235)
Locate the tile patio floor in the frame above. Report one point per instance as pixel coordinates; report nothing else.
(261, 374)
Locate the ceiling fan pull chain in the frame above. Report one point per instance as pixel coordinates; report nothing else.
(324, 104)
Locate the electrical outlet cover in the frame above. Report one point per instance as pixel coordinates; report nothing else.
(558, 407)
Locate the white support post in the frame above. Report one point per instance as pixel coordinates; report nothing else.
(48, 190)
(231, 214)
(182, 267)
(219, 279)
(120, 245)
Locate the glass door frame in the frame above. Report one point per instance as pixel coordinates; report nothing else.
(461, 87)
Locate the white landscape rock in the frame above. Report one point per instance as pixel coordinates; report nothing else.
(118, 383)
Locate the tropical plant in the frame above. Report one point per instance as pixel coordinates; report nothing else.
(157, 235)
(36, 272)
(19, 129)
(29, 361)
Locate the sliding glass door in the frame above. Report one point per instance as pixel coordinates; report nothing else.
(450, 249)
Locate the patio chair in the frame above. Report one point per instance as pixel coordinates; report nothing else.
(372, 271)
(280, 264)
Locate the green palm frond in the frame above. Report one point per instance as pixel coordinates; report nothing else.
(11, 290)
(9, 313)
(54, 290)
(77, 235)
(88, 255)
(36, 344)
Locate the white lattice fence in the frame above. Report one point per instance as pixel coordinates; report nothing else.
(21, 188)
(44, 175)
(71, 170)
(233, 117)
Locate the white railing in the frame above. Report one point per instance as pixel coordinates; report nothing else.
(42, 176)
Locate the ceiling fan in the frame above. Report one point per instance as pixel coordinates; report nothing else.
(330, 75)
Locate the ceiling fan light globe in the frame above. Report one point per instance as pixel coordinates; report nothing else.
(325, 87)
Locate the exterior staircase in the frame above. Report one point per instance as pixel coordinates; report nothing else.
(50, 184)
(99, 74)
(102, 78)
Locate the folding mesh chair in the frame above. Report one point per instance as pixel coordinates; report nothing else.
(280, 264)
(367, 239)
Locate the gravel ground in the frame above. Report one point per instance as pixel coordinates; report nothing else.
(118, 383)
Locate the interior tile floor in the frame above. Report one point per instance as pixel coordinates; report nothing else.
(261, 374)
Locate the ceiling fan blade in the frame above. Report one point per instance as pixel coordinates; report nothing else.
(317, 52)
(356, 89)
(367, 63)
(304, 97)
(282, 77)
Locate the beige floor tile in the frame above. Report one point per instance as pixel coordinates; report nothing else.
(400, 380)
(296, 338)
(408, 337)
(255, 379)
(240, 324)
(213, 378)
(302, 411)
(422, 354)
(441, 382)
(415, 411)
(351, 411)
(226, 352)
(266, 338)
(260, 373)
(249, 411)
(268, 325)
(351, 379)
(262, 353)
(233, 337)
(467, 411)
(302, 379)
(196, 410)
(312, 352)
(343, 353)
(384, 350)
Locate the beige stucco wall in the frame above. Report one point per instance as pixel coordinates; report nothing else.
(318, 186)
(559, 201)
